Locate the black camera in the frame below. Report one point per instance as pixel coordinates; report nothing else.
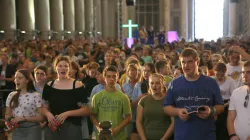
(105, 133)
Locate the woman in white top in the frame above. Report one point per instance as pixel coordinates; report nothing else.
(24, 107)
(227, 86)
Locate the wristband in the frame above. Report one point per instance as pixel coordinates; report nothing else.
(232, 135)
(213, 111)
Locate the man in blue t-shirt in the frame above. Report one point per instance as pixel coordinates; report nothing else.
(187, 95)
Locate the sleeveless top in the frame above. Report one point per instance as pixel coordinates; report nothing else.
(62, 100)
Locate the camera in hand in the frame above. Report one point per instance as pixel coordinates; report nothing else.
(105, 133)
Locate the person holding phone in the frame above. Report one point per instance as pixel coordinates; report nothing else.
(187, 93)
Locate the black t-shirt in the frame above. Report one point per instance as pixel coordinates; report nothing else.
(89, 83)
(62, 100)
(144, 87)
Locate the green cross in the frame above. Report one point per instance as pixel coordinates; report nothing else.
(129, 26)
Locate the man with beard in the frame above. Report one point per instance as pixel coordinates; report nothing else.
(234, 67)
(238, 121)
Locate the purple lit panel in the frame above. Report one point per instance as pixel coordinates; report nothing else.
(130, 42)
(172, 36)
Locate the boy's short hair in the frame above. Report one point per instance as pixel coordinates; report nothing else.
(110, 68)
(190, 52)
(160, 64)
(138, 48)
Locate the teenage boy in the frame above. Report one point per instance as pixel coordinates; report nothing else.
(112, 105)
(187, 94)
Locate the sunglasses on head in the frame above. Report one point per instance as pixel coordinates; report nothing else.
(246, 99)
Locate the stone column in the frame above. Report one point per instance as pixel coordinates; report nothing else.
(126, 16)
(226, 18)
(112, 16)
(8, 18)
(166, 12)
(43, 18)
(131, 13)
(69, 17)
(79, 15)
(191, 19)
(1, 15)
(184, 23)
(98, 15)
(232, 19)
(27, 19)
(89, 15)
(105, 18)
(56, 16)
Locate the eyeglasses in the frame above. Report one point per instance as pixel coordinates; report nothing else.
(246, 100)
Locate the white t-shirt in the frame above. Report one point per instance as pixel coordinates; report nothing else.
(227, 88)
(28, 104)
(242, 120)
(235, 73)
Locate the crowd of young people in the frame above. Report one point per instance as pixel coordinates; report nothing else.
(182, 90)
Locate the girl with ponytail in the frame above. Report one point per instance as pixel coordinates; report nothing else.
(23, 106)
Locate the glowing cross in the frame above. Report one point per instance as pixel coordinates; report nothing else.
(129, 26)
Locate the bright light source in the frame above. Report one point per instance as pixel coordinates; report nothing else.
(23, 32)
(1, 31)
(79, 33)
(68, 32)
(204, 27)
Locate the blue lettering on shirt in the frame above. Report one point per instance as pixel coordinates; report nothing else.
(191, 95)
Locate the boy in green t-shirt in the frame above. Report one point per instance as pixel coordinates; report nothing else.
(111, 105)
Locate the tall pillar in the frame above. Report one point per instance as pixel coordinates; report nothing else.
(105, 18)
(184, 21)
(69, 17)
(79, 15)
(112, 14)
(98, 15)
(27, 18)
(126, 17)
(56, 16)
(226, 18)
(132, 13)
(232, 18)
(43, 18)
(166, 12)
(191, 19)
(1, 15)
(89, 15)
(8, 18)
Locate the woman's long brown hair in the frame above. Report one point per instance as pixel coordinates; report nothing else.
(14, 102)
